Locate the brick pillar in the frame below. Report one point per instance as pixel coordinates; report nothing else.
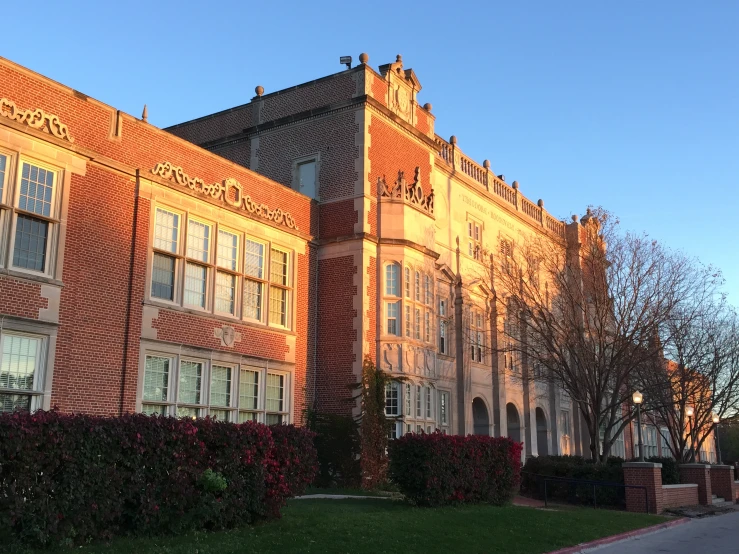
(643, 474)
(722, 482)
(700, 474)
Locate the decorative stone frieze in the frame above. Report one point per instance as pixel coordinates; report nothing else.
(36, 119)
(412, 193)
(229, 191)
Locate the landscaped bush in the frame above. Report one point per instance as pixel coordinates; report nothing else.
(66, 479)
(670, 470)
(574, 467)
(437, 469)
(338, 445)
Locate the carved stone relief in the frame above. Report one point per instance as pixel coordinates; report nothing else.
(36, 119)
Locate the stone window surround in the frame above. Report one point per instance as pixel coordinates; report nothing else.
(179, 351)
(160, 196)
(404, 301)
(295, 176)
(21, 147)
(48, 333)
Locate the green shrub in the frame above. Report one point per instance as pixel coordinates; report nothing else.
(670, 471)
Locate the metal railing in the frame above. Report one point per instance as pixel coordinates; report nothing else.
(586, 482)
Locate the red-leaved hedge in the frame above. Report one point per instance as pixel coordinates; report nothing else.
(65, 479)
(436, 469)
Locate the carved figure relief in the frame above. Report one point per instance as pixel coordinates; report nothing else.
(36, 119)
(412, 193)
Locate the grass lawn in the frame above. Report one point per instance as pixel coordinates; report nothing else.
(377, 526)
(347, 492)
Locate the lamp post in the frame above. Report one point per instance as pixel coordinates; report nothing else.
(638, 398)
(716, 421)
(689, 412)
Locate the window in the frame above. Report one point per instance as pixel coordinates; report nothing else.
(511, 338)
(198, 265)
(427, 327)
(444, 325)
(427, 396)
(474, 239)
(276, 412)
(665, 442)
(29, 215)
(477, 337)
(419, 400)
(21, 372)
(506, 253)
(564, 424)
(307, 178)
(444, 408)
(392, 399)
(428, 287)
(649, 436)
(618, 448)
(417, 325)
(407, 410)
(189, 387)
(408, 320)
(407, 276)
(418, 286)
(392, 306)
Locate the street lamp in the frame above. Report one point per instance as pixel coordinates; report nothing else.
(689, 411)
(716, 421)
(638, 398)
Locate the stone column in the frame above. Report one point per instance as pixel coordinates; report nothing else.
(700, 474)
(643, 474)
(722, 482)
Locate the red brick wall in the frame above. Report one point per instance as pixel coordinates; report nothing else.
(679, 496)
(237, 152)
(392, 150)
(700, 475)
(643, 476)
(96, 368)
(21, 298)
(378, 89)
(722, 482)
(336, 334)
(338, 219)
(94, 301)
(423, 121)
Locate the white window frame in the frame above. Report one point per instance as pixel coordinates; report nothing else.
(392, 390)
(444, 408)
(172, 403)
(474, 238)
(296, 163)
(37, 392)
(392, 297)
(10, 211)
(213, 269)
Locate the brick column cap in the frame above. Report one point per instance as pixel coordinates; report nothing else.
(680, 486)
(722, 466)
(645, 465)
(696, 465)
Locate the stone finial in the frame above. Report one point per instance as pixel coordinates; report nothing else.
(363, 57)
(540, 203)
(145, 114)
(574, 218)
(427, 106)
(259, 90)
(486, 164)
(399, 59)
(501, 177)
(515, 184)
(452, 140)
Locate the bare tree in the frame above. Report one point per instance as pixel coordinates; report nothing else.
(700, 372)
(586, 311)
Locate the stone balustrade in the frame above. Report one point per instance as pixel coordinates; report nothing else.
(452, 156)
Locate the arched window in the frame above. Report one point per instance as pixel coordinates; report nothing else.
(392, 279)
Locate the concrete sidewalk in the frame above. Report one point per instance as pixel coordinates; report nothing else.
(709, 534)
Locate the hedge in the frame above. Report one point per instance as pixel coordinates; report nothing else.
(437, 469)
(576, 467)
(66, 479)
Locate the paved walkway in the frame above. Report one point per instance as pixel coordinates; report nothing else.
(709, 534)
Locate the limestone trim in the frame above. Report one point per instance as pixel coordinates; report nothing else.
(224, 191)
(35, 118)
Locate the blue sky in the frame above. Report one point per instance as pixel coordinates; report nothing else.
(630, 105)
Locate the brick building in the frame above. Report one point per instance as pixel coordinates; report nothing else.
(244, 263)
